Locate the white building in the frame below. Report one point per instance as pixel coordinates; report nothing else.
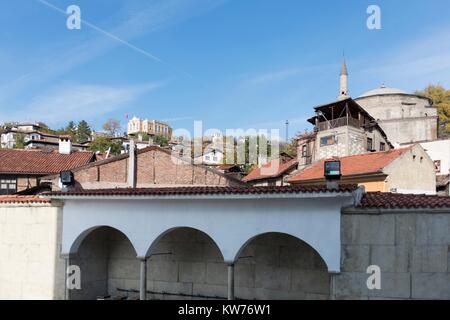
(439, 152)
(150, 127)
(211, 157)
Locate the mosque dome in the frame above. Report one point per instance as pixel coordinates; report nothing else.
(383, 90)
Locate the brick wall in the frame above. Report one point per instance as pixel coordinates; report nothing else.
(154, 167)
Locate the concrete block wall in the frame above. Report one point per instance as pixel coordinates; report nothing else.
(273, 267)
(412, 250)
(30, 241)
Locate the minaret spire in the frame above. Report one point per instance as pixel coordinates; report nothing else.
(343, 81)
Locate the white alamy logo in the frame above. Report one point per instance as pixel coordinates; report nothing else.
(374, 20)
(374, 280)
(74, 19)
(73, 281)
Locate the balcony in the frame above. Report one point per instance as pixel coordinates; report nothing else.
(339, 122)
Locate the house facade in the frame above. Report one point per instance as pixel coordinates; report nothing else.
(404, 170)
(439, 152)
(21, 170)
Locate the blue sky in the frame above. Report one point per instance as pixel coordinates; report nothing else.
(232, 64)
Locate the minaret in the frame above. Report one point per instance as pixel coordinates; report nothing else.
(343, 81)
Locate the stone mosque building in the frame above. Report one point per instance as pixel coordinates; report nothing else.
(378, 120)
(405, 118)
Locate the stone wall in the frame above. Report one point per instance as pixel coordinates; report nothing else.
(412, 250)
(350, 141)
(188, 265)
(30, 243)
(404, 118)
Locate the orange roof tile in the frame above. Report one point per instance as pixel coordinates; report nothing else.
(397, 201)
(257, 173)
(23, 199)
(13, 161)
(352, 165)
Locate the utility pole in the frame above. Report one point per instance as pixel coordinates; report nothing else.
(287, 131)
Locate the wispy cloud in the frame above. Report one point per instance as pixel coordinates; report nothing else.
(147, 18)
(178, 119)
(275, 76)
(76, 102)
(277, 124)
(426, 57)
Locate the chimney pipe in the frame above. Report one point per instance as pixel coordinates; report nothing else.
(65, 145)
(132, 165)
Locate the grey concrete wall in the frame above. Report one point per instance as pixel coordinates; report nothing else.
(412, 250)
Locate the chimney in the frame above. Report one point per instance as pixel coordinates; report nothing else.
(132, 167)
(65, 145)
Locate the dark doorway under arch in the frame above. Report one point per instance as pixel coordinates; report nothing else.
(107, 260)
(280, 266)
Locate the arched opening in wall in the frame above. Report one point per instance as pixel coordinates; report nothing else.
(280, 266)
(186, 263)
(108, 265)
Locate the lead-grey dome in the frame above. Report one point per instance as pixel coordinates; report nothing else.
(382, 91)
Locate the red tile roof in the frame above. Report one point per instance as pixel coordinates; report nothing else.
(177, 191)
(352, 165)
(23, 199)
(258, 174)
(14, 161)
(398, 201)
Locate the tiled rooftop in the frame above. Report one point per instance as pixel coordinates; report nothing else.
(402, 201)
(23, 199)
(352, 165)
(14, 161)
(203, 190)
(279, 169)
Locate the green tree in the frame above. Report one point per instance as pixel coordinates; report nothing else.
(69, 130)
(161, 141)
(83, 132)
(102, 144)
(20, 140)
(441, 99)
